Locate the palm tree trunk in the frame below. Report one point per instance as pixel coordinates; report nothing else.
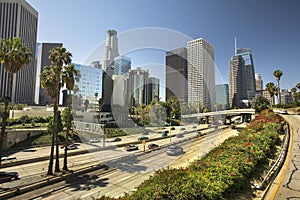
(5, 116)
(50, 166)
(279, 96)
(65, 167)
(56, 135)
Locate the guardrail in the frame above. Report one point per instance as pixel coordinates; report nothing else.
(274, 170)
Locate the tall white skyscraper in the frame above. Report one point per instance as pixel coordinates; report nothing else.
(111, 51)
(201, 73)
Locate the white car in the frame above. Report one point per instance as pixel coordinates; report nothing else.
(94, 140)
(174, 150)
(283, 112)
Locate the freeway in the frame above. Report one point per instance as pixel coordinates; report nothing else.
(127, 169)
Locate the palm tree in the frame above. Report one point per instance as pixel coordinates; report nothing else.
(70, 74)
(59, 56)
(278, 73)
(14, 55)
(49, 81)
(294, 91)
(298, 86)
(271, 88)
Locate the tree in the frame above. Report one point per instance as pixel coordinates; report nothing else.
(271, 88)
(49, 81)
(298, 86)
(260, 103)
(278, 73)
(295, 94)
(14, 55)
(70, 74)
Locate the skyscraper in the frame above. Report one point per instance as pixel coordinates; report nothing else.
(90, 82)
(201, 73)
(241, 79)
(153, 89)
(137, 93)
(122, 65)
(19, 19)
(41, 96)
(258, 84)
(176, 74)
(111, 51)
(222, 97)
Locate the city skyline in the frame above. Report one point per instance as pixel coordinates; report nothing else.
(271, 33)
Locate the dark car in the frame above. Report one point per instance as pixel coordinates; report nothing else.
(131, 147)
(143, 138)
(194, 126)
(172, 128)
(182, 128)
(180, 135)
(117, 139)
(153, 146)
(174, 150)
(164, 133)
(8, 176)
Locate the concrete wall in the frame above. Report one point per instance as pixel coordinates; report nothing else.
(15, 136)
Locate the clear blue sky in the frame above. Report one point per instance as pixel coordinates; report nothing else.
(271, 28)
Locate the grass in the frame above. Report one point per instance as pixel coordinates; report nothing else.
(42, 140)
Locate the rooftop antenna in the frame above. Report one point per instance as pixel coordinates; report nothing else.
(235, 46)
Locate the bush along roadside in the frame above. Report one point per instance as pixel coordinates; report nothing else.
(224, 173)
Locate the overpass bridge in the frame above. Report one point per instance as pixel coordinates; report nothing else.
(246, 114)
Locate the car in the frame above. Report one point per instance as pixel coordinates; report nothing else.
(8, 176)
(153, 146)
(8, 158)
(117, 139)
(174, 150)
(182, 129)
(180, 135)
(63, 145)
(131, 147)
(143, 138)
(94, 140)
(172, 128)
(145, 133)
(72, 146)
(164, 133)
(283, 112)
(194, 126)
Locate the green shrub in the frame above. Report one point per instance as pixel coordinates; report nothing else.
(223, 173)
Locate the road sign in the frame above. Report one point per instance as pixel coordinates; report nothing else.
(144, 142)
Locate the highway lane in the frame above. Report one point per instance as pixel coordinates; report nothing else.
(131, 171)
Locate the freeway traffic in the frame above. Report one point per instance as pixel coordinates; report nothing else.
(132, 167)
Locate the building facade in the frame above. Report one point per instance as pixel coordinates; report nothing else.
(122, 65)
(41, 96)
(90, 83)
(137, 90)
(111, 51)
(258, 84)
(153, 89)
(201, 73)
(222, 97)
(19, 19)
(176, 74)
(241, 80)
